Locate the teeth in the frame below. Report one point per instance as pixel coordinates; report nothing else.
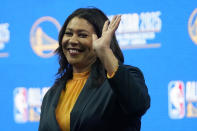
(73, 51)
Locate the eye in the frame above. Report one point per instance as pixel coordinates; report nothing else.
(67, 33)
(83, 35)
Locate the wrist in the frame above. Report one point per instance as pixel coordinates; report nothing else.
(108, 59)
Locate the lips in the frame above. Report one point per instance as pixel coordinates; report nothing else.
(73, 50)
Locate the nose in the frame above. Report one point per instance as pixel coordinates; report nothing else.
(73, 40)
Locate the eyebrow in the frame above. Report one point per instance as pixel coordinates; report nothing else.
(79, 30)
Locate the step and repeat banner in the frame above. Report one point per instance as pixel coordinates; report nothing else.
(159, 37)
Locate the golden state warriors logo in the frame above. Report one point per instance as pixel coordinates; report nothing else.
(192, 26)
(42, 36)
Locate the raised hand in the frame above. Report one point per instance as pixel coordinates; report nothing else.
(102, 45)
(107, 33)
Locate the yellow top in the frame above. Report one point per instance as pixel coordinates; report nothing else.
(69, 96)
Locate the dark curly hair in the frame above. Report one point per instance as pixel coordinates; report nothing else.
(97, 18)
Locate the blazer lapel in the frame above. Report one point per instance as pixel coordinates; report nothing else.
(86, 94)
(52, 115)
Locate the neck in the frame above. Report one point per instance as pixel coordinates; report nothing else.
(80, 70)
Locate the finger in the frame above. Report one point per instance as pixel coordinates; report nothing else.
(116, 22)
(94, 37)
(113, 26)
(105, 26)
(113, 19)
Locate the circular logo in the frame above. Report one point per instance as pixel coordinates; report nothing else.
(192, 26)
(42, 36)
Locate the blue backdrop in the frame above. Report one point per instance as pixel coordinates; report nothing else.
(159, 37)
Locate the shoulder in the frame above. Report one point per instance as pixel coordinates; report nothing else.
(130, 69)
(53, 92)
(48, 96)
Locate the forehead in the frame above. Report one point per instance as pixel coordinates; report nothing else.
(77, 23)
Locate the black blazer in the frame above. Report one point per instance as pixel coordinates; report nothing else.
(117, 105)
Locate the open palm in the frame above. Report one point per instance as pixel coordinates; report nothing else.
(107, 33)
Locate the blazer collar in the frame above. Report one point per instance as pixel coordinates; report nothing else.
(86, 94)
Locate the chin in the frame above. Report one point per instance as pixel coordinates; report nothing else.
(73, 62)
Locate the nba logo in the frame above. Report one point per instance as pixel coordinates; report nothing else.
(20, 105)
(176, 100)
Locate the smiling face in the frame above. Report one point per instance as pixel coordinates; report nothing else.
(77, 44)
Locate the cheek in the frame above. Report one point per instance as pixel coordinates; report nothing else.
(64, 41)
(89, 44)
(91, 52)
